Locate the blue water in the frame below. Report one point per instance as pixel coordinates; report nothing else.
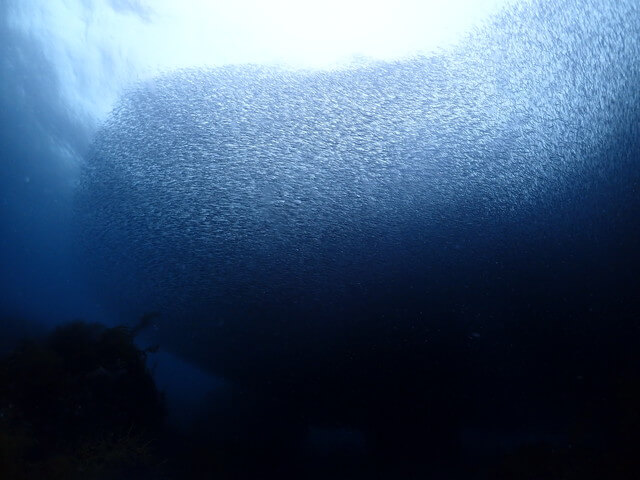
(371, 262)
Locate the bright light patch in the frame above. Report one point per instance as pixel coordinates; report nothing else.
(99, 47)
(321, 33)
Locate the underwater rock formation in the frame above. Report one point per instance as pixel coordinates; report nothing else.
(79, 403)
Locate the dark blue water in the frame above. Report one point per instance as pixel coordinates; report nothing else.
(396, 270)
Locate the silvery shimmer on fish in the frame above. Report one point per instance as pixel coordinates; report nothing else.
(237, 187)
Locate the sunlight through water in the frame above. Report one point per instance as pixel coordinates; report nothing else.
(101, 47)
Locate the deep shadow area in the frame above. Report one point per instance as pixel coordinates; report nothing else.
(553, 395)
(78, 403)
